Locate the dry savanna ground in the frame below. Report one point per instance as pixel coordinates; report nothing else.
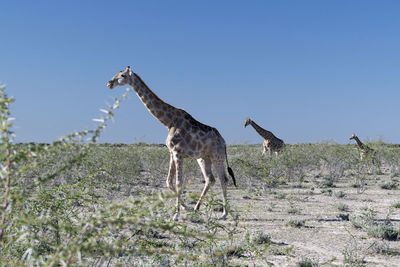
(108, 205)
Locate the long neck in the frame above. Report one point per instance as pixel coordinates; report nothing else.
(264, 133)
(162, 111)
(359, 143)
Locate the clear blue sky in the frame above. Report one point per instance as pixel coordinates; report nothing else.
(309, 71)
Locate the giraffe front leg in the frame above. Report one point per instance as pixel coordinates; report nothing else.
(171, 175)
(179, 183)
(171, 179)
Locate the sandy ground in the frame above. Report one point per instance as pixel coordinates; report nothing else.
(325, 238)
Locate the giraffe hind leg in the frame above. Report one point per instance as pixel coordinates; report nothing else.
(220, 168)
(205, 166)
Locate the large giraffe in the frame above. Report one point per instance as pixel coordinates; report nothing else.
(363, 148)
(187, 138)
(271, 142)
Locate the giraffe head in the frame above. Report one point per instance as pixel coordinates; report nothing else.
(247, 122)
(121, 78)
(353, 136)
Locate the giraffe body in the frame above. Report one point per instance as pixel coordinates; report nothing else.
(187, 138)
(271, 142)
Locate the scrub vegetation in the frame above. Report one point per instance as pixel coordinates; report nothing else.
(74, 202)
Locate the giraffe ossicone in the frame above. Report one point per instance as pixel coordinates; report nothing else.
(187, 138)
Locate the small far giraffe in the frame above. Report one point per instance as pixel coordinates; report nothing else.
(271, 142)
(363, 148)
(187, 138)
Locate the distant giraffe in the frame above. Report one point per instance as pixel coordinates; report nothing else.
(271, 142)
(187, 138)
(363, 148)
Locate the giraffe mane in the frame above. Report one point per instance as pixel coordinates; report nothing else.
(155, 96)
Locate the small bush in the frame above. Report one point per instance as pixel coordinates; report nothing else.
(340, 194)
(326, 182)
(353, 256)
(389, 185)
(307, 262)
(363, 218)
(383, 231)
(280, 196)
(293, 210)
(261, 238)
(296, 223)
(396, 205)
(342, 207)
(383, 248)
(231, 251)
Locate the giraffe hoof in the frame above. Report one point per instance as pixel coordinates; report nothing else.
(176, 217)
(197, 207)
(223, 217)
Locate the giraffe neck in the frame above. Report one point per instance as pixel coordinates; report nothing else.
(264, 133)
(359, 143)
(162, 111)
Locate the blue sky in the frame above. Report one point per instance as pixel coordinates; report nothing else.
(309, 71)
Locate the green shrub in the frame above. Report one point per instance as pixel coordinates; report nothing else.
(383, 231)
(363, 218)
(261, 238)
(396, 205)
(391, 185)
(307, 262)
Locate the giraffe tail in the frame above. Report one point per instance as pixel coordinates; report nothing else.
(233, 176)
(230, 171)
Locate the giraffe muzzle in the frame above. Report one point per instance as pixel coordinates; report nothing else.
(110, 84)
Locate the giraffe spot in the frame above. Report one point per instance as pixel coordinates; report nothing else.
(156, 104)
(199, 146)
(178, 121)
(188, 138)
(193, 145)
